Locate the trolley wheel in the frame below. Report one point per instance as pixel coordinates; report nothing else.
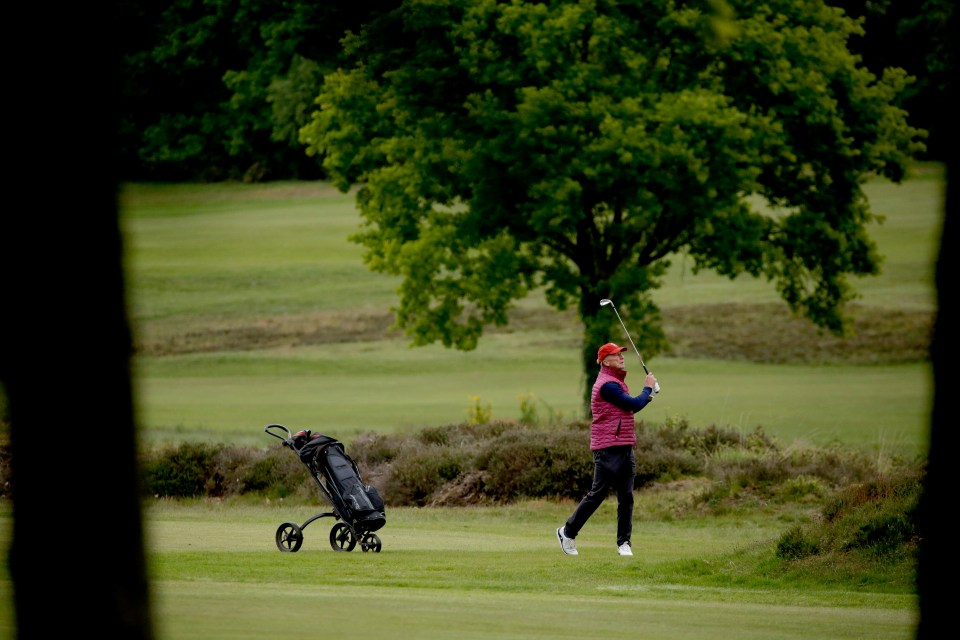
(342, 537)
(289, 537)
(370, 542)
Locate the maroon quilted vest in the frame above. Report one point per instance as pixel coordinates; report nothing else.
(611, 426)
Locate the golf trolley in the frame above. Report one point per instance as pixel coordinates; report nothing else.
(358, 507)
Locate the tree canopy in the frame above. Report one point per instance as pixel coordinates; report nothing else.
(218, 89)
(501, 147)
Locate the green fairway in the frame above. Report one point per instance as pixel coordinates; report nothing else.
(496, 572)
(244, 252)
(196, 610)
(255, 308)
(230, 397)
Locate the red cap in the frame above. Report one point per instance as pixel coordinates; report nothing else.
(607, 349)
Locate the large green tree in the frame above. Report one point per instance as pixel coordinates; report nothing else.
(575, 146)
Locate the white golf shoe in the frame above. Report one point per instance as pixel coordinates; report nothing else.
(567, 545)
(625, 549)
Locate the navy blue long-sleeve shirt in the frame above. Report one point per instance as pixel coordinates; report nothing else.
(615, 395)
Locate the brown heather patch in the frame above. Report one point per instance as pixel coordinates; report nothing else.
(268, 333)
(136, 194)
(765, 333)
(312, 329)
(769, 333)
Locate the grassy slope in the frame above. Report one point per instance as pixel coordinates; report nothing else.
(251, 307)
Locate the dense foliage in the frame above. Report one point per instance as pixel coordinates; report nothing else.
(216, 89)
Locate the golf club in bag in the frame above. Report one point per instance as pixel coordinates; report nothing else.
(605, 302)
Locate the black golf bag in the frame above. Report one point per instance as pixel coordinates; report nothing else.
(357, 507)
(358, 503)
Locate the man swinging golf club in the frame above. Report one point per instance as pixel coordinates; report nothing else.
(612, 440)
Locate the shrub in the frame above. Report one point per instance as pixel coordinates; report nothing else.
(417, 472)
(836, 466)
(273, 472)
(677, 434)
(502, 461)
(794, 544)
(478, 413)
(536, 463)
(375, 449)
(803, 488)
(181, 472)
(658, 463)
(744, 469)
(201, 469)
(528, 409)
(883, 534)
(878, 518)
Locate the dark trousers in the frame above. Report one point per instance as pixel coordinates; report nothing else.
(613, 468)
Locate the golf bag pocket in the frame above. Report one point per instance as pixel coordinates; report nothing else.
(374, 497)
(363, 501)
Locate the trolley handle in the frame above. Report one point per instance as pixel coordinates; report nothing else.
(272, 429)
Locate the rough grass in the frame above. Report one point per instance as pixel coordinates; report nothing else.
(769, 333)
(760, 333)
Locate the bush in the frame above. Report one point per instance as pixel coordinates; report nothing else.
(655, 462)
(877, 518)
(796, 545)
(273, 472)
(182, 472)
(375, 449)
(198, 469)
(708, 441)
(505, 461)
(536, 463)
(416, 473)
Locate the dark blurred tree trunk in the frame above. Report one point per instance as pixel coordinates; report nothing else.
(936, 570)
(77, 553)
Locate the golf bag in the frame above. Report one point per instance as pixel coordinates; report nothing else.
(357, 507)
(357, 503)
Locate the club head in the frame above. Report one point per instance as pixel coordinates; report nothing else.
(605, 302)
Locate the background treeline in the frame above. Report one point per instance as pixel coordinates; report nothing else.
(218, 89)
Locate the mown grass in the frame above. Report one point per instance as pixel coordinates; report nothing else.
(250, 306)
(497, 572)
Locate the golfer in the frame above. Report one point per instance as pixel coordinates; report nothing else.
(612, 440)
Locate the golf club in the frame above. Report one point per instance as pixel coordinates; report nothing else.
(605, 302)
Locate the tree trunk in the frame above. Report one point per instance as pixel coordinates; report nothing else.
(935, 572)
(77, 557)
